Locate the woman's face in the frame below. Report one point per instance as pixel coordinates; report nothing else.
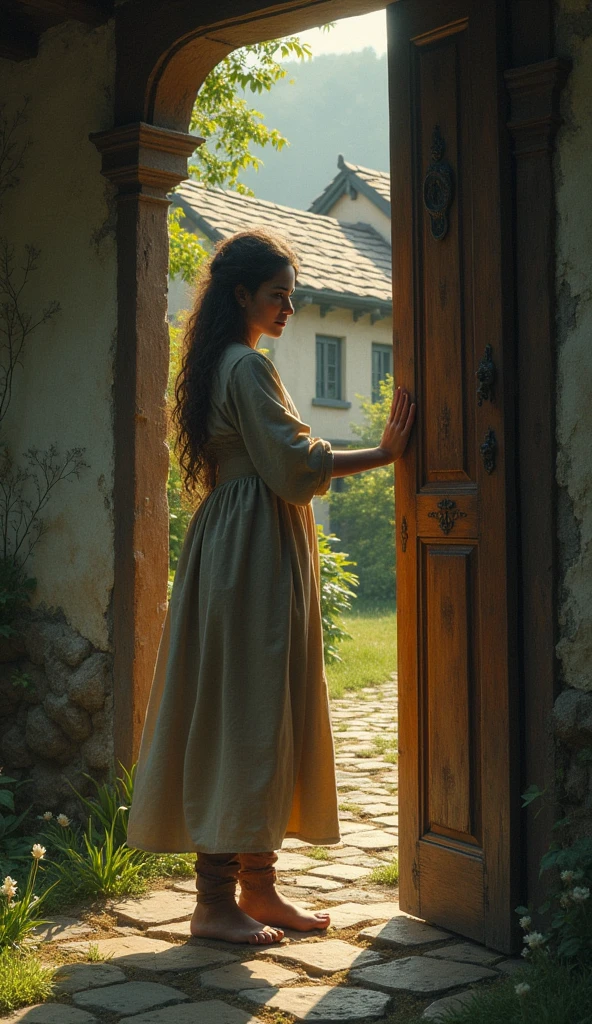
(267, 311)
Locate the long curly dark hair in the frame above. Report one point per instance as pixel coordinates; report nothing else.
(248, 258)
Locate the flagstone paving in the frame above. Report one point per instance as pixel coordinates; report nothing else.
(360, 970)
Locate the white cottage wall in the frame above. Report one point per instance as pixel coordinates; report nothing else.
(361, 211)
(63, 392)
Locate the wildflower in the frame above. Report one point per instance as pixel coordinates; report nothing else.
(122, 808)
(525, 951)
(522, 989)
(567, 877)
(38, 851)
(565, 900)
(47, 816)
(525, 923)
(534, 939)
(63, 820)
(9, 887)
(580, 893)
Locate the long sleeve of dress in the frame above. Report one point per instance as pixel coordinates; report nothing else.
(292, 464)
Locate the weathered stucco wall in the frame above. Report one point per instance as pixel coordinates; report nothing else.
(573, 709)
(56, 723)
(62, 393)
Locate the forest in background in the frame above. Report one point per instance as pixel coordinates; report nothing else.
(335, 103)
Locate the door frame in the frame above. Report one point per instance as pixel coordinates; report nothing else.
(144, 155)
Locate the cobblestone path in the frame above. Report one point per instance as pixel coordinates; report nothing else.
(374, 963)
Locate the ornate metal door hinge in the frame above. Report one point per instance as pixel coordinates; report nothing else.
(447, 515)
(438, 187)
(404, 533)
(488, 450)
(486, 377)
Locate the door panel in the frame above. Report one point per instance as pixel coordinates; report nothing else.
(454, 488)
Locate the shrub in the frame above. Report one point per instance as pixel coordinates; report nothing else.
(14, 847)
(336, 593)
(363, 512)
(23, 980)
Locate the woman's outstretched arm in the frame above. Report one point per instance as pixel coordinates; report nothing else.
(392, 445)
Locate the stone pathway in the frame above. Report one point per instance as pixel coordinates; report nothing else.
(374, 963)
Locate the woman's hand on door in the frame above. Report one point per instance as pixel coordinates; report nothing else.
(398, 425)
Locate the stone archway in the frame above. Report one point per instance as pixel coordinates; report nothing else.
(158, 75)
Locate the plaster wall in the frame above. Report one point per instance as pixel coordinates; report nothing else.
(63, 391)
(574, 332)
(361, 211)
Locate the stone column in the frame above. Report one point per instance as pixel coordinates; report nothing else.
(534, 118)
(145, 163)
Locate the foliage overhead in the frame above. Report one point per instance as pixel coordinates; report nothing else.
(231, 128)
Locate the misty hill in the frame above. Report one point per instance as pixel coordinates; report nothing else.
(337, 104)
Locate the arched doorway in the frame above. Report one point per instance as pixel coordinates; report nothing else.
(460, 581)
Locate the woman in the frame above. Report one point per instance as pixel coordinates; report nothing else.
(237, 751)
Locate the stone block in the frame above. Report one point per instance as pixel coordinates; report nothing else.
(60, 928)
(441, 1008)
(294, 862)
(88, 684)
(249, 974)
(340, 872)
(325, 957)
(131, 997)
(321, 1004)
(419, 975)
(210, 1011)
(160, 907)
(72, 648)
(347, 915)
(466, 953)
(50, 1013)
(154, 955)
(374, 840)
(45, 738)
(572, 718)
(58, 675)
(39, 638)
(79, 977)
(310, 882)
(97, 751)
(402, 930)
(15, 751)
(74, 721)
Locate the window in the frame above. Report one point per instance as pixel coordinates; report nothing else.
(328, 368)
(382, 364)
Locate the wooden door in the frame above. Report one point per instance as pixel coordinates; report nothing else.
(454, 497)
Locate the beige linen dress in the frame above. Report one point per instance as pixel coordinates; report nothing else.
(237, 750)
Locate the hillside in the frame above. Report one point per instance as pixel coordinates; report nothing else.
(335, 103)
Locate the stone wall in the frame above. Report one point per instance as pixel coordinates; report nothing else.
(56, 705)
(573, 711)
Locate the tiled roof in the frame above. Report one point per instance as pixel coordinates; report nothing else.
(348, 260)
(376, 185)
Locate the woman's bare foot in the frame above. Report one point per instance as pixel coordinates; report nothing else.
(225, 920)
(278, 912)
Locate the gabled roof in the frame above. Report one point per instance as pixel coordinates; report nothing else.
(375, 185)
(340, 264)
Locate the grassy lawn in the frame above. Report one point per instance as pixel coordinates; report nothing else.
(370, 656)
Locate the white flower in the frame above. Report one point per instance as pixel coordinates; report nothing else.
(522, 989)
(567, 877)
(565, 900)
(580, 893)
(63, 820)
(525, 923)
(34, 899)
(38, 851)
(47, 816)
(525, 951)
(534, 939)
(122, 808)
(9, 887)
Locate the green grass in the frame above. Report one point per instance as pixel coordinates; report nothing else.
(370, 656)
(386, 746)
(318, 852)
(386, 874)
(23, 980)
(557, 996)
(354, 808)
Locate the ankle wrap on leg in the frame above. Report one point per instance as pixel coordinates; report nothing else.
(257, 871)
(216, 877)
